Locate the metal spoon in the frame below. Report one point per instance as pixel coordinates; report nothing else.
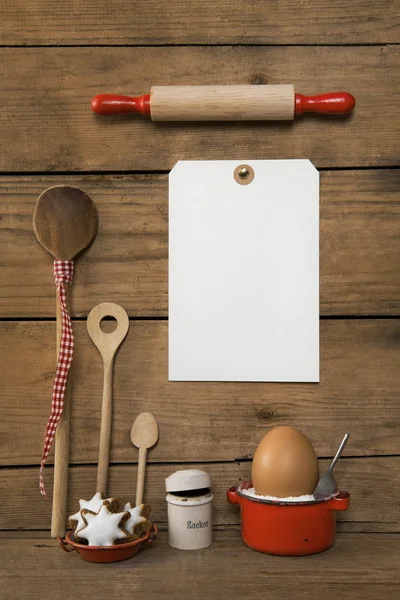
(327, 484)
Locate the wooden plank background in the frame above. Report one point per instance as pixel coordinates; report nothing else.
(44, 22)
(367, 478)
(47, 123)
(359, 245)
(52, 61)
(360, 365)
(371, 571)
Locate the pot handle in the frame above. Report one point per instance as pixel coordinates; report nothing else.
(65, 546)
(153, 535)
(340, 502)
(232, 495)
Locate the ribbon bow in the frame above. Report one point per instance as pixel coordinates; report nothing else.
(63, 274)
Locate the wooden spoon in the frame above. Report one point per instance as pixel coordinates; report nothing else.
(107, 344)
(144, 435)
(65, 222)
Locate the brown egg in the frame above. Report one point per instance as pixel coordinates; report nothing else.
(285, 464)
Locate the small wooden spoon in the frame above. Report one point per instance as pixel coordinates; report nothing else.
(65, 222)
(107, 344)
(144, 435)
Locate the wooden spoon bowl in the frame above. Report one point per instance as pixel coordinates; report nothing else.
(65, 221)
(144, 435)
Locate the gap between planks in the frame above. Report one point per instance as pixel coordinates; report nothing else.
(236, 461)
(214, 45)
(160, 172)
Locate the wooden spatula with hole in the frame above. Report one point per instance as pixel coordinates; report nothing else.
(65, 222)
(107, 344)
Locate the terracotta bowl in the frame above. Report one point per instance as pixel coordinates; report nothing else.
(107, 554)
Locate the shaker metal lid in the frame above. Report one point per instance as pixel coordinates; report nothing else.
(188, 479)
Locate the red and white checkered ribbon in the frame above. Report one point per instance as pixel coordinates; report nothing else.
(63, 273)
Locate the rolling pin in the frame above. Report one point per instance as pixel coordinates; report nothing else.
(224, 103)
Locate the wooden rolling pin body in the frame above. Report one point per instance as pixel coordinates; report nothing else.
(222, 103)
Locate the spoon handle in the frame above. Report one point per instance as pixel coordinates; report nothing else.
(105, 429)
(339, 452)
(61, 447)
(140, 475)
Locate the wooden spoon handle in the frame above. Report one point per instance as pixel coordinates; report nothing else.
(140, 475)
(105, 430)
(61, 447)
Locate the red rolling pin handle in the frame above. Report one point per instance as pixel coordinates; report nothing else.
(336, 103)
(113, 104)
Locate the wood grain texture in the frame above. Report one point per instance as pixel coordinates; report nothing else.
(47, 126)
(43, 22)
(201, 421)
(371, 481)
(360, 567)
(359, 245)
(47, 123)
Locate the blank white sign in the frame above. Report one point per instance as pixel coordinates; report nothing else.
(244, 272)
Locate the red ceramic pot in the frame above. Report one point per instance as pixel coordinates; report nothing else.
(107, 554)
(289, 529)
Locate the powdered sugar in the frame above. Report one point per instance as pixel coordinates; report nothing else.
(251, 492)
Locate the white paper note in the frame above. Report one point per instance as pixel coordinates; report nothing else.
(244, 272)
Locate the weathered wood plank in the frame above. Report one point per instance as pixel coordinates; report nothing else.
(359, 245)
(200, 421)
(47, 124)
(42, 22)
(23, 507)
(360, 567)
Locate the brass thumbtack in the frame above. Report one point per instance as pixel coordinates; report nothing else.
(243, 174)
